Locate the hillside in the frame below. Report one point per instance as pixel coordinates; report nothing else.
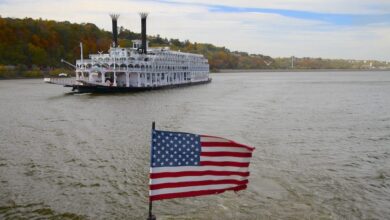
(31, 47)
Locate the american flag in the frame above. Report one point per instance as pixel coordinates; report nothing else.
(186, 165)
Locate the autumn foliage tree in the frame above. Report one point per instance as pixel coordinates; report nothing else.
(44, 43)
(36, 45)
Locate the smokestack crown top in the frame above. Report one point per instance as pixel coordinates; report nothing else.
(143, 15)
(114, 16)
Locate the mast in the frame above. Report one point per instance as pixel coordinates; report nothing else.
(81, 52)
(292, 62)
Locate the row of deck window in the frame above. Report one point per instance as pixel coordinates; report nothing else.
(163, 59)
(124, 66)
(171, 77)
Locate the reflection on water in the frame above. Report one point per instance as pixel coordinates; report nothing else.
(322, 147)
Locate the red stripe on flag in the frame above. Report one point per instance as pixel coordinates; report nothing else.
(195, 193)
(225, 144)
(225, 154)
(223, 164)
(197, 173)
(197, 183)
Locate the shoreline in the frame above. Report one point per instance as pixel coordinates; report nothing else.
(297, 70)
(22, 78)
(254, 71)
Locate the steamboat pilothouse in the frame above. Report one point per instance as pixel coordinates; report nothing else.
(137, 68)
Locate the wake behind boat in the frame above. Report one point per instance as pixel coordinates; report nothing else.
(137, 68)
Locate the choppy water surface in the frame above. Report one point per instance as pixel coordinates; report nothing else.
(322, 147)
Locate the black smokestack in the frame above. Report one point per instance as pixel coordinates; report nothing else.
(143, 31)
(114, 18)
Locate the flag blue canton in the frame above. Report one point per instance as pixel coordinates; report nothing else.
(171, 149)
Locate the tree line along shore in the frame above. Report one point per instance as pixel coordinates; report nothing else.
(34, 48)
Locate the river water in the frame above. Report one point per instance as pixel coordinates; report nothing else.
(322, 147)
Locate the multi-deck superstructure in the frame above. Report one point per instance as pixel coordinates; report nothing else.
(137, 68)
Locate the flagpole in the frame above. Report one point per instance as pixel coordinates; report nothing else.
(151, 216)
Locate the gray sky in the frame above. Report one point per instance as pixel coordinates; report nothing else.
(347, 29)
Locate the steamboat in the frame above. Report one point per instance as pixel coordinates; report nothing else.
(135, 69)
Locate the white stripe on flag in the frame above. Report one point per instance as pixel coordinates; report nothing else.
(197, 168)
(225, 149)
(213, 139)
(195, 178)
(226, 159)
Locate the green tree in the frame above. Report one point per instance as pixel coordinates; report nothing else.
(37, 54)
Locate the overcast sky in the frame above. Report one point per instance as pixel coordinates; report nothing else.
(351, 29)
